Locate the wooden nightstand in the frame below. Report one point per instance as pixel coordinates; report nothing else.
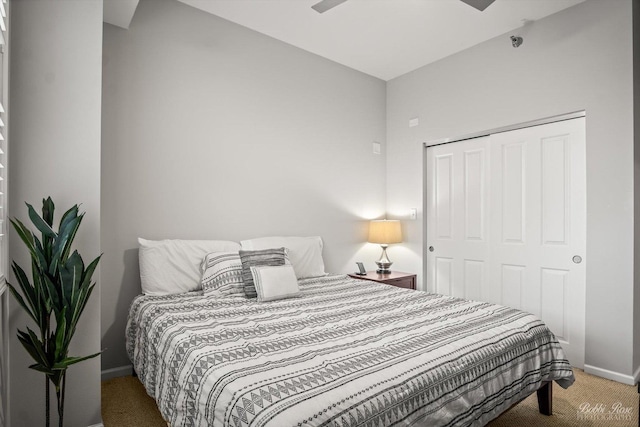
(395, 278)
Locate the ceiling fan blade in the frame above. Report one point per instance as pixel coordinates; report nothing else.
(325, 5)
(478, 4)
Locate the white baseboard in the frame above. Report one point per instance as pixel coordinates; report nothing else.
(120, 371)
(636, 377)
(97, 425)
(611, 375)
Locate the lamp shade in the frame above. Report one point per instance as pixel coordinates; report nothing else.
(385, 232)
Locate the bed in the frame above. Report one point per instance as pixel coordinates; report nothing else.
(346, 352)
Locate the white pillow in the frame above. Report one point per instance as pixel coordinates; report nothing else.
(305, 253)
(173, 266)
(274, 283)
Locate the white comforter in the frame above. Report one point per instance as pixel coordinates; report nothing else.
(348, 352)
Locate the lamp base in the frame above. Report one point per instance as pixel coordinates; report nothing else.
(383, 263)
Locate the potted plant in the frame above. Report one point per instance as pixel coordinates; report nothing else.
(55, 297)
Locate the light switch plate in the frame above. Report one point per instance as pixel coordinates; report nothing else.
(376, 148)
(414, 122)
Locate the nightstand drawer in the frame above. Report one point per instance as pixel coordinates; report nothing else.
(408, 282)
(396, 278)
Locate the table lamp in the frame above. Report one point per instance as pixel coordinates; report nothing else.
(384, 232)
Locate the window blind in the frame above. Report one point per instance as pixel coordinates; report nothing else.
(4, 84)
(4, 248)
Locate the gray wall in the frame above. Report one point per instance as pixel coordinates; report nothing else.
(213, 131)
(55, 150)
(580, 58)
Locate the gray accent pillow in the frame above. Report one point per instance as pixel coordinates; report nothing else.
(267, 257)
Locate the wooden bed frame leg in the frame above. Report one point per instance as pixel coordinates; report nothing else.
(545, 396)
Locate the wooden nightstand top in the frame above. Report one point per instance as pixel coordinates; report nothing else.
(395, 278)
(376, 277)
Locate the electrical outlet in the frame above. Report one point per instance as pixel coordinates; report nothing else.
(414, 122)
(376, 148)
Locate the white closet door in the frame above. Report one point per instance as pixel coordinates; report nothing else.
(458, 218)
(506, 219)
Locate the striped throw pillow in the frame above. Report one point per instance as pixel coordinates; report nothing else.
(267, 257)
(222, 274)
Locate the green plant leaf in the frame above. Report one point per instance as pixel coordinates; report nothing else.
(69, 225)
(52, 293)
(21, 301)
(34, 346)
(48, 209)
(56, 376)
(42, 259)
(86, 287)
(47, 215)
(68, 361)
(61, 338)
(27, 290)
(40, 223)
(70, 276)
(79, 308)
(25, 235)
(38, 367)
(71, 213)
(88, 272)
(62, 246)
(43, 304)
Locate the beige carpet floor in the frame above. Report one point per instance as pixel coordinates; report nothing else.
(591, 401)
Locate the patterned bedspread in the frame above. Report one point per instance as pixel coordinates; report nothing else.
(347, 353)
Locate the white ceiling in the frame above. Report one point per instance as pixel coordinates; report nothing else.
(383, 38)
(119, 12)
